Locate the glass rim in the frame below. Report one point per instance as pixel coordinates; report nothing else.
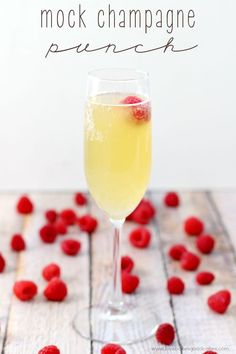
(137, 74)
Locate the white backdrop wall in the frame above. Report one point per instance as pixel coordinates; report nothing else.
(41, 100)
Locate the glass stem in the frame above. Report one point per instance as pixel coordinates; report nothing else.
(116, 303)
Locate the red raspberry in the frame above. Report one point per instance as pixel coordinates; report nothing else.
(80, 199)
(141, 111)
(51, 271)
(175, 285)
(140, 237)
(17, 243)
(205, 278)
(56, 290)
(210, 352)
(144, 212)
(171, 200)
(205, 243)
(131, 100)
(24, 205)
(193, 226)
(69, 216)
(48, 233)
(130, 282)
(176, 251)
(60, 227)
(127, 264)
(165, 334)
(70, 247)
(189, 261)
(50, 349)
(113, 349)
(2, 263)
(219, 301)
(51, 215)
(87, 223)
(25, 290)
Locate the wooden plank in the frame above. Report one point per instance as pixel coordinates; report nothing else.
(38, 323)
(10, 223)
(150, 268)
(197, 326)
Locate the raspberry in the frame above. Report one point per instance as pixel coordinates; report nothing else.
(113, 349)
(205, 278)
(171, 200)
(130, 282)
(176, 251)
(190, 261)
(48, 233)
(80, 199)
(56, 290)
(175, 285)
(140, 237)
(209, 352)
(127, 264)
(205, 243)
(87, 223)
(219, 301)
(51, 215)
(24, 205)
(17, 243)
(165, 334)
(2, 263)
(141, 111)
(25, 290)
(50, 349)
(193, 226)
(144, 212)
(51, 271)
(60, 227)
(132, 100)
(69, 216)
(70, 247)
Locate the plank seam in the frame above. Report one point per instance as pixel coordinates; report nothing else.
(161, 248)
(224, 230)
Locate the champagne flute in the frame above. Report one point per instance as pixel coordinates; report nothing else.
(117, 154)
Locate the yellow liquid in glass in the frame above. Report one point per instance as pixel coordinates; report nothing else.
(117, 153)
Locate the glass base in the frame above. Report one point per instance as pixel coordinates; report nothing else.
(128, 326)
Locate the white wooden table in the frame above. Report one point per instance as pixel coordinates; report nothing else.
(27, 327)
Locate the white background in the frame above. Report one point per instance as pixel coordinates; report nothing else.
(41, 100)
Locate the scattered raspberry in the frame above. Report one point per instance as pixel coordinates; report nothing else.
(189, 261)
(51, 215)
(50, 349)
(165, 334)
(127, 264)
(2, 263)
(48, 233)
(60, 226)
(219, 301)
(87, 223)
(113, 349)
(17, 243)
(210, 352)
(205, 243)
(130, 282)
(144, 212)
(69, 216)
(80, 199)
(171, 200)
(140, 237)
(70, 247)
(205, 278)
(51, 271)
(175, 285)
(176, 251)
(141, 111)
(24, 205)
(56, 290)
(25, 290)
(193, 226)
